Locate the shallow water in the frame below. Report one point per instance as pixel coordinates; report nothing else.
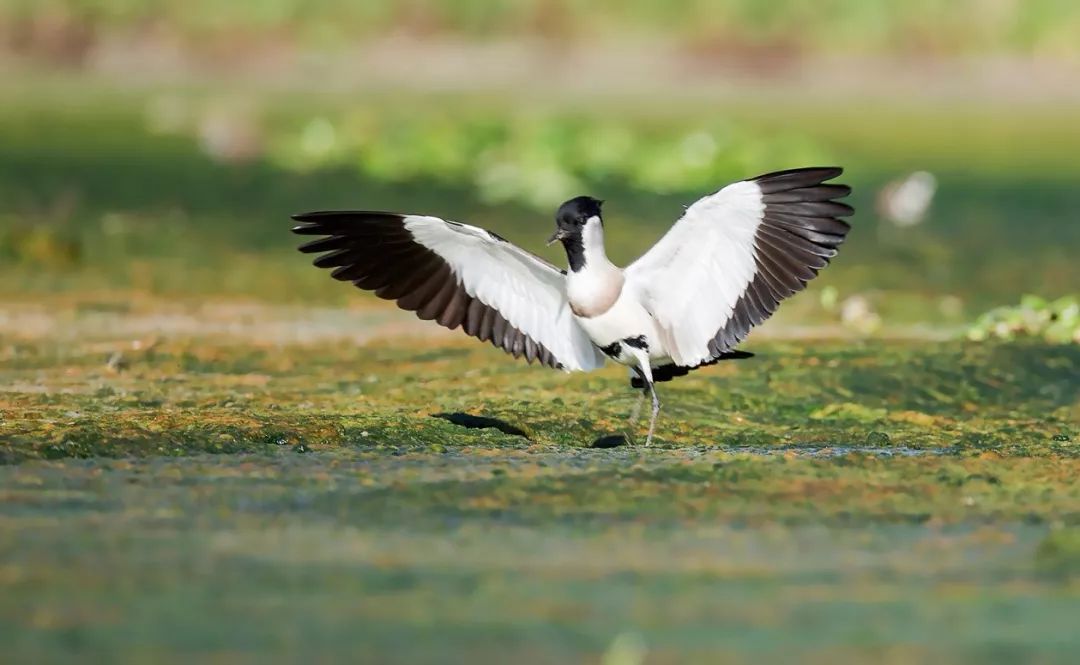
(335, 552)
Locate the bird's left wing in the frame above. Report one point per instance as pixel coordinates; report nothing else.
(734, 255)
(457, 275)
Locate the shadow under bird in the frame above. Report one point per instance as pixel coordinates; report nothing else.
(722, 269)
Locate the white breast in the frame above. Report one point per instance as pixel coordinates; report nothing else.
(627, 318)
(604, 305)
(594, 291)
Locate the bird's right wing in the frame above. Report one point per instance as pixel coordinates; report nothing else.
(734, 255)
(458, 275)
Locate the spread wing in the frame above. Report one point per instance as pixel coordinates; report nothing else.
(734, 255)
(457, 275)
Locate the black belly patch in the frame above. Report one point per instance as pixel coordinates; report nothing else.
(613, 350)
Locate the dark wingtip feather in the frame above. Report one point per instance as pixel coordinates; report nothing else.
(323, 244)
(780, 181)
(809, 208)
(312, 216)
(353, 216)
(823, 172)
(320, 214)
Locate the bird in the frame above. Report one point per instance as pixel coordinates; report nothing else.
(687, 302)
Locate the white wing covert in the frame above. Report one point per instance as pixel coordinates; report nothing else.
(457, 275)
(734, 255)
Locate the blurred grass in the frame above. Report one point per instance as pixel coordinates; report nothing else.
(100, 198)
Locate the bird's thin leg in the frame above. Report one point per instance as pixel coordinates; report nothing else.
(646, 375)
(636, 412)
(655, 412)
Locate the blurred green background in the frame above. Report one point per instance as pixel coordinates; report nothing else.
(158, 148)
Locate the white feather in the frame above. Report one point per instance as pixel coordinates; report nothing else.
(529, 292)
(692, 278)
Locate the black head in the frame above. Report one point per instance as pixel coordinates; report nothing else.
(572, 215)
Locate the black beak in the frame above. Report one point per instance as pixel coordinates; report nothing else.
(558, 235)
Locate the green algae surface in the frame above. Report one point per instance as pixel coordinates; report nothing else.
(199, 496)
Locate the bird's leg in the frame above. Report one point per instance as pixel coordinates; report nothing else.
(655, 413)
(646, 375)
(636, 412)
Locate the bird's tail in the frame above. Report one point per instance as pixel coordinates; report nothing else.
(669, 372)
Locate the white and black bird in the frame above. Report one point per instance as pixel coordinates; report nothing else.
(722, 269)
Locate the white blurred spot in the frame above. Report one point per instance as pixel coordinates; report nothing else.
(856, 312)
(905, 201)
